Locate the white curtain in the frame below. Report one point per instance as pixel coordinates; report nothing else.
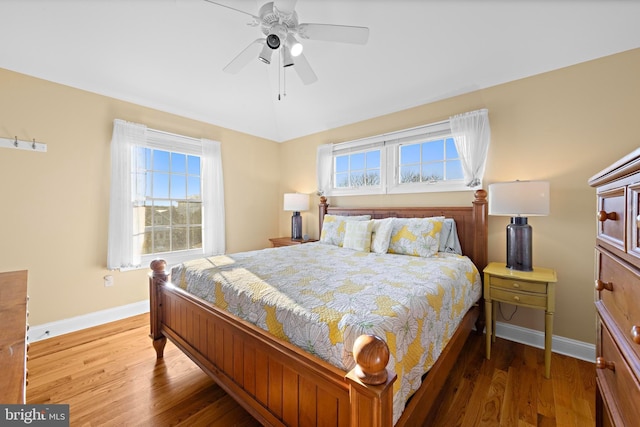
(213, 219)
(128, 184)
(123, 250)
(472, 136)
(324, 168)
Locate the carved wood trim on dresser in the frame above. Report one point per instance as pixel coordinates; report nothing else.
(13, 337)
(617, 292)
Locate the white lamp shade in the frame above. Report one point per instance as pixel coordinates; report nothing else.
(519, 198)
(296, 202)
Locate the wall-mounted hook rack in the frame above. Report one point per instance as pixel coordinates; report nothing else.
(18, 144)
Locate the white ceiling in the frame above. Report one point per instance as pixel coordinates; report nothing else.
(169, 54)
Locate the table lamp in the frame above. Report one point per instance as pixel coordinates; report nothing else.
(519, 200)
(296, 202)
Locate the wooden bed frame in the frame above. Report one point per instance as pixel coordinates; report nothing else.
(282, 385)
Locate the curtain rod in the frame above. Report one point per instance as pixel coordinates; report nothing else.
(18, 144)
(176, 135)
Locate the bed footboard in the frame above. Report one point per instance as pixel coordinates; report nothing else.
(276, 382)
(158, 275)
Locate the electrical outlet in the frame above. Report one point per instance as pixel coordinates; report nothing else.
(108, 280)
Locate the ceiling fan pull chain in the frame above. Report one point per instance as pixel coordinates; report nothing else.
(279, 79)
(284, 78)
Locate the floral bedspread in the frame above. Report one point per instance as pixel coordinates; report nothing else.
(322, 297)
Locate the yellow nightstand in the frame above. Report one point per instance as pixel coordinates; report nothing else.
(535, 289)
(288, 241)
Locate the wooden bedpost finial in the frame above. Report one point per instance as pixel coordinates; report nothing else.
(371, 354)
(159, 267)
(480, 195)
(323, 200)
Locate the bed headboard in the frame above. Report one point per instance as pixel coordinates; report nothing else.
(471, 221)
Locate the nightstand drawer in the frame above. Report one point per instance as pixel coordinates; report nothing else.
(518, 285)
(519, 298)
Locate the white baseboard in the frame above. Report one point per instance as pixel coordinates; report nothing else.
(561, 345)
(567, 346)
(60, 327)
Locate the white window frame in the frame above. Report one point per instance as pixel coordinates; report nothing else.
(172, 143)
(365, 189)
(126, 231)
(389, 145)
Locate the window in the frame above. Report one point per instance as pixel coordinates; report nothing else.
(429, 161)
(357, 170)
(172, 200)
(444, 156)
(167, 198)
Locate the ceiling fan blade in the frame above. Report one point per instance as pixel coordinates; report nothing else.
(257, 18)
(334, 33)
(302, 67)
(250, 52)
(286, 7)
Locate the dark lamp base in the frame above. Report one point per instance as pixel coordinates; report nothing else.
(519, 245)
(296, 226)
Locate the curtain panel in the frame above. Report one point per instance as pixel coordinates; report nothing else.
(472, 136)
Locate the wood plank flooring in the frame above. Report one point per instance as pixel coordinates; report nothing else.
(109, 376)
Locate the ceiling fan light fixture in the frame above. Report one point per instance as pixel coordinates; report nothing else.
(265, 55)
(287, 59)
(273, 41)
(294, 46)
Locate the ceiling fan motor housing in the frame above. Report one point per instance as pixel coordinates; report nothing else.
(276, 25)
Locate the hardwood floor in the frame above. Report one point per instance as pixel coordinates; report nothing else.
(109, 376)
(510, 389)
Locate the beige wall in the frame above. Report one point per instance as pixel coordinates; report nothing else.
(562, 126)
(55, 205)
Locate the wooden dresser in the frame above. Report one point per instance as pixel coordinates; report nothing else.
(617, 295)
(13, 336)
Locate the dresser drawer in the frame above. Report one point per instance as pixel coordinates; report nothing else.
(618, 382)
(520, 298)
(619, 294)
(633, 221)
(518, 285)
(611, 217)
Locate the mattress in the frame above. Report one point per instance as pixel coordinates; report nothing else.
(321, 297)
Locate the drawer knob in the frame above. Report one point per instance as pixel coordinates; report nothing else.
(601, 363)
(516, 285)
(603, 216)
(604, 286)
(635, 334)
(516, 298)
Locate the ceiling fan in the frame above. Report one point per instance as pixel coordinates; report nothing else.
(278, 22)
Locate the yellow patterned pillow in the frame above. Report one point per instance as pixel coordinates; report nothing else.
(358, 235)
(334, 227)
(416, 236)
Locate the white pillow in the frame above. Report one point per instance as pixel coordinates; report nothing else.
(358, 235)
(334, 227)
(381, 234)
